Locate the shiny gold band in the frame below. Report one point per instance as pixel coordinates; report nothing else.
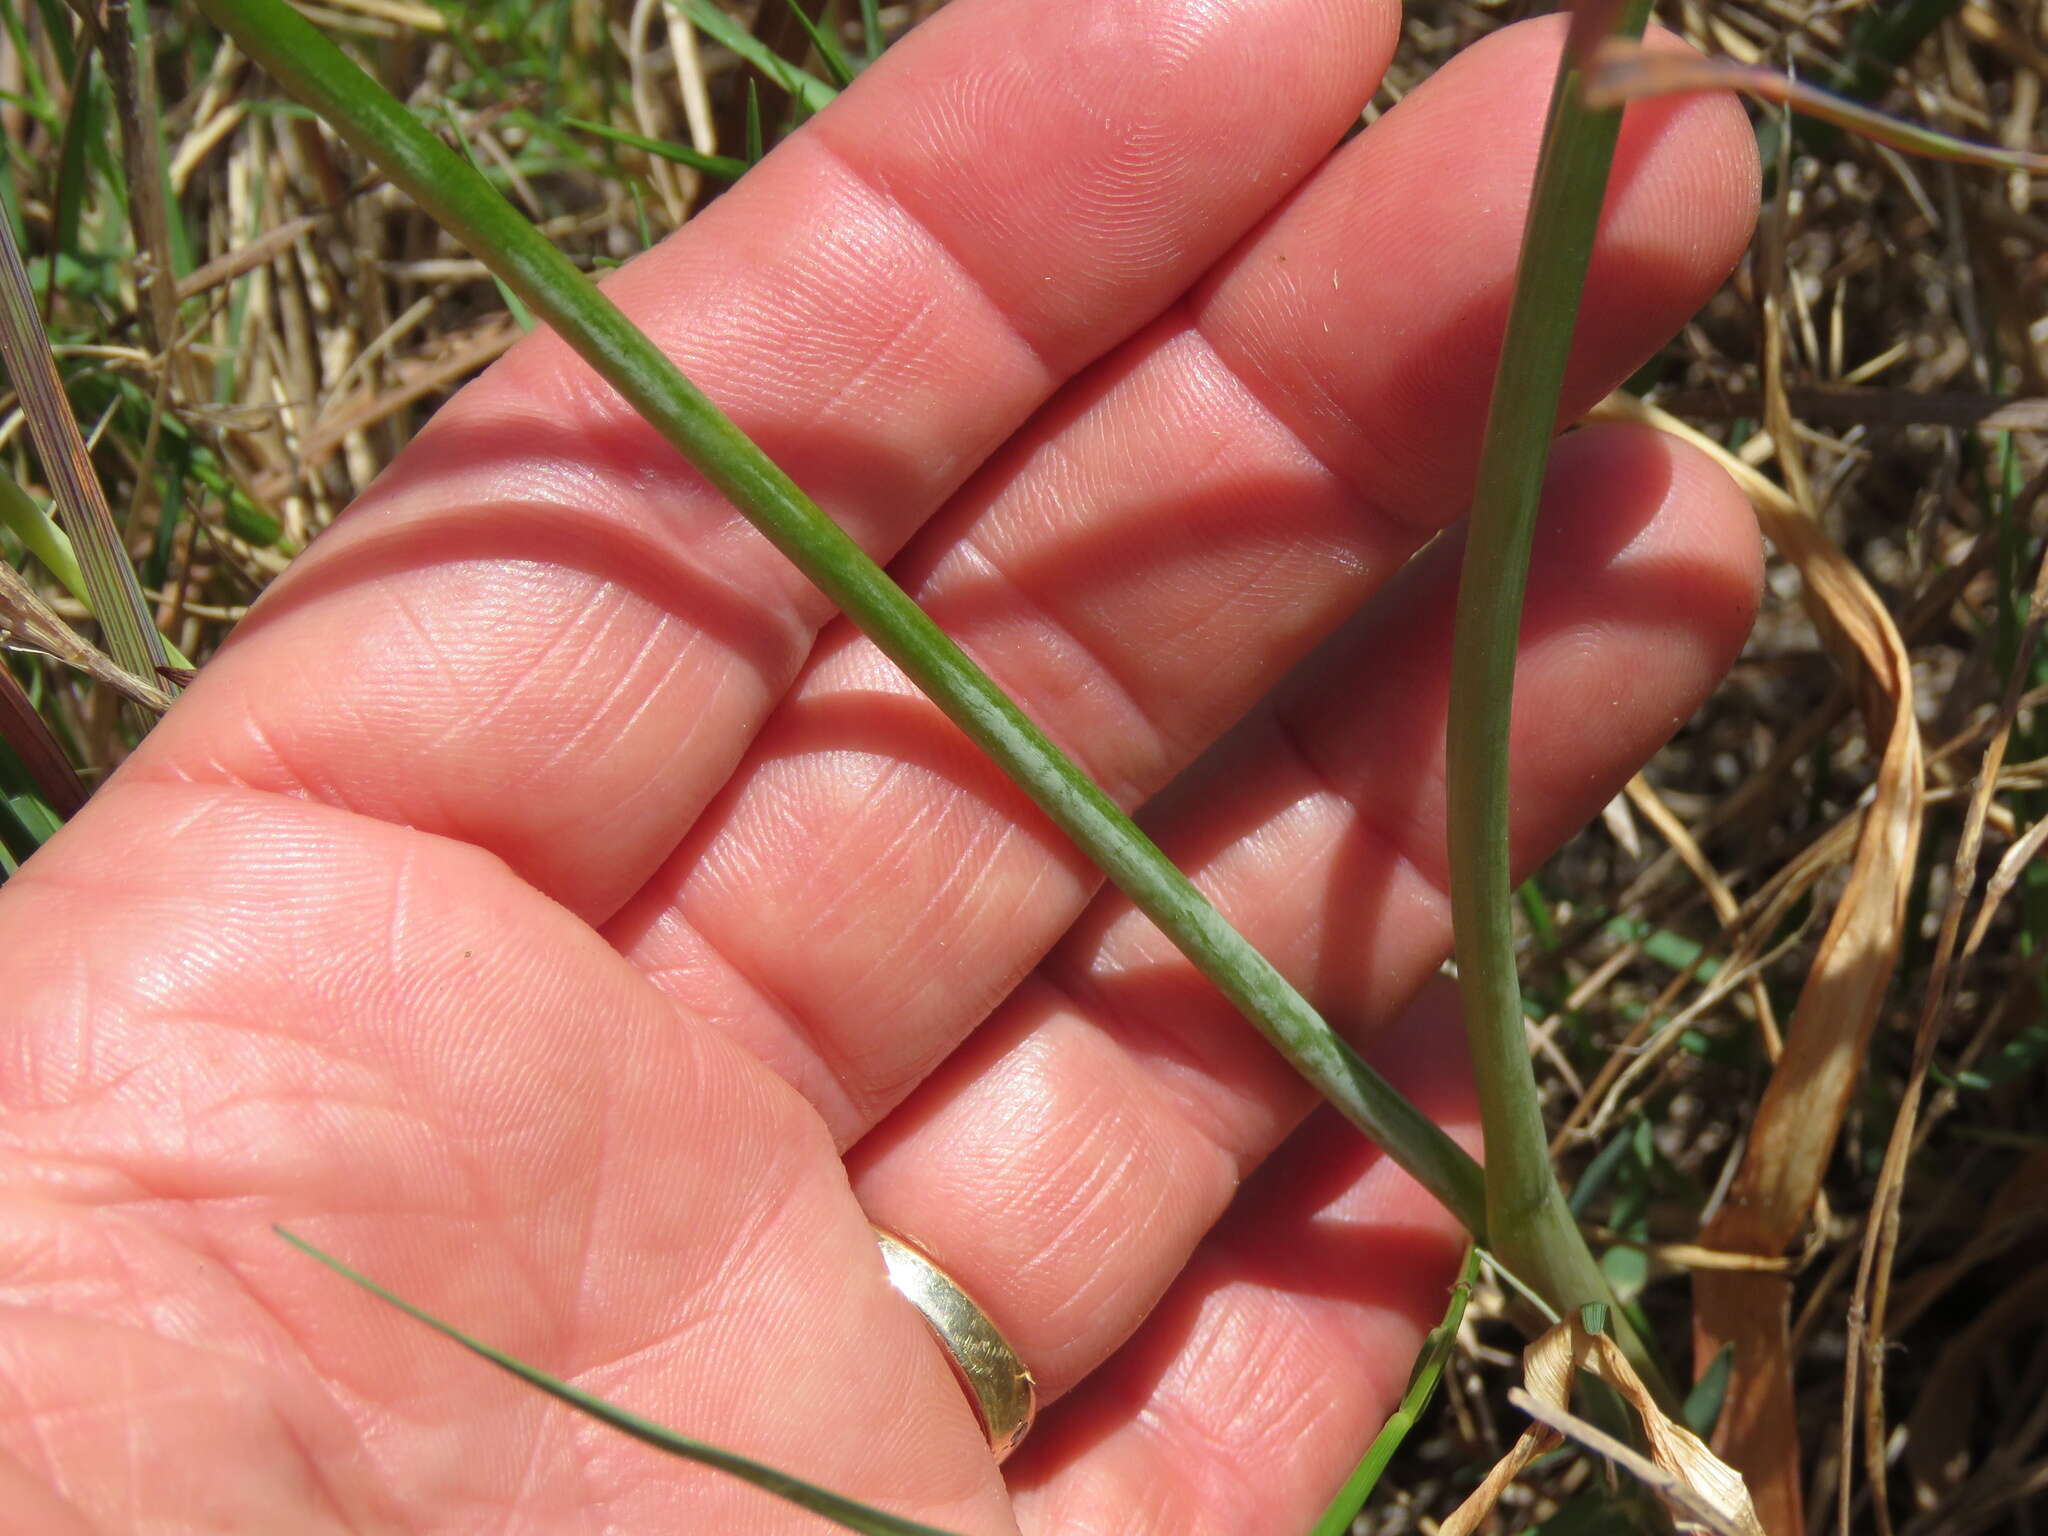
(998, 1383)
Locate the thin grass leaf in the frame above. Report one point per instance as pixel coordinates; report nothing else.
(521, 315)
(1625, 72)
(112, 591)
(58, 34)
(246, 518)
(829, 52)
(1703, 1404)
(1882, 38)
(755, 146)
(21, 834)
(29, 523)
(1430, 1361)
(871, 29)
(837, 1508)
(80, 128)
(801, 85)
(468, 207)
(725, 167)
(1528, 1222)
(36, 92)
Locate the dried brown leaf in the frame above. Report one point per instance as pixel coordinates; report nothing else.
(1702, 1492)
(1796, 1125)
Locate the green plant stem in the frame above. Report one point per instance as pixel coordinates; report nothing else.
(366, 116)
(1430, 1361)
(1528, 1222)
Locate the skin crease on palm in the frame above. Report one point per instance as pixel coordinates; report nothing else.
(545, 905)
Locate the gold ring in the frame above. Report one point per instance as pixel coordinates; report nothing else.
(997, 1381)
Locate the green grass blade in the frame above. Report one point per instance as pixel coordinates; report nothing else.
(839, 1509)
(1430, 1361)
(20, 516)
(756, 145)
(725, 167)
(80, 127)
(112, 591)
(283, 42)
(802, 86)
(871, 29)
(36, 94)
(520, 315)
(1703, 1404)
(829, 51)
(28, 522)
(246, 518)
(1528, 1222)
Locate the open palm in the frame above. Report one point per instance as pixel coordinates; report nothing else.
(547, 906)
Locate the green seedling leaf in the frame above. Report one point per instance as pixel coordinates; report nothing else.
(1430, 1361)
(725, 167)
(1600, 1172)
(1536, 908)
(1663, 946)
(1627, 1269)
(1884, 37)
(871, 28)
(2014, 1059)
(1623, 72)
(837, 1508)
(1702, 1409)
(829, 51)
(156, 568)
(755, 146)
(802, 86)
(1597, 1510)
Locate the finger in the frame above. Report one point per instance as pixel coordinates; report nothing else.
(432, 1071)
(541, 633)
(1252, 1389)
(1066, 1161)
(1152, 553)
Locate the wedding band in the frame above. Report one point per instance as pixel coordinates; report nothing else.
(997, 1381)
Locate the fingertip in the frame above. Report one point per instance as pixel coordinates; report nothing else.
(1667, 519)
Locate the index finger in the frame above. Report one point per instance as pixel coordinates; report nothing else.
(541, 620)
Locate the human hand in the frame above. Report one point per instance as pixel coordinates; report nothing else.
(543, 893)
